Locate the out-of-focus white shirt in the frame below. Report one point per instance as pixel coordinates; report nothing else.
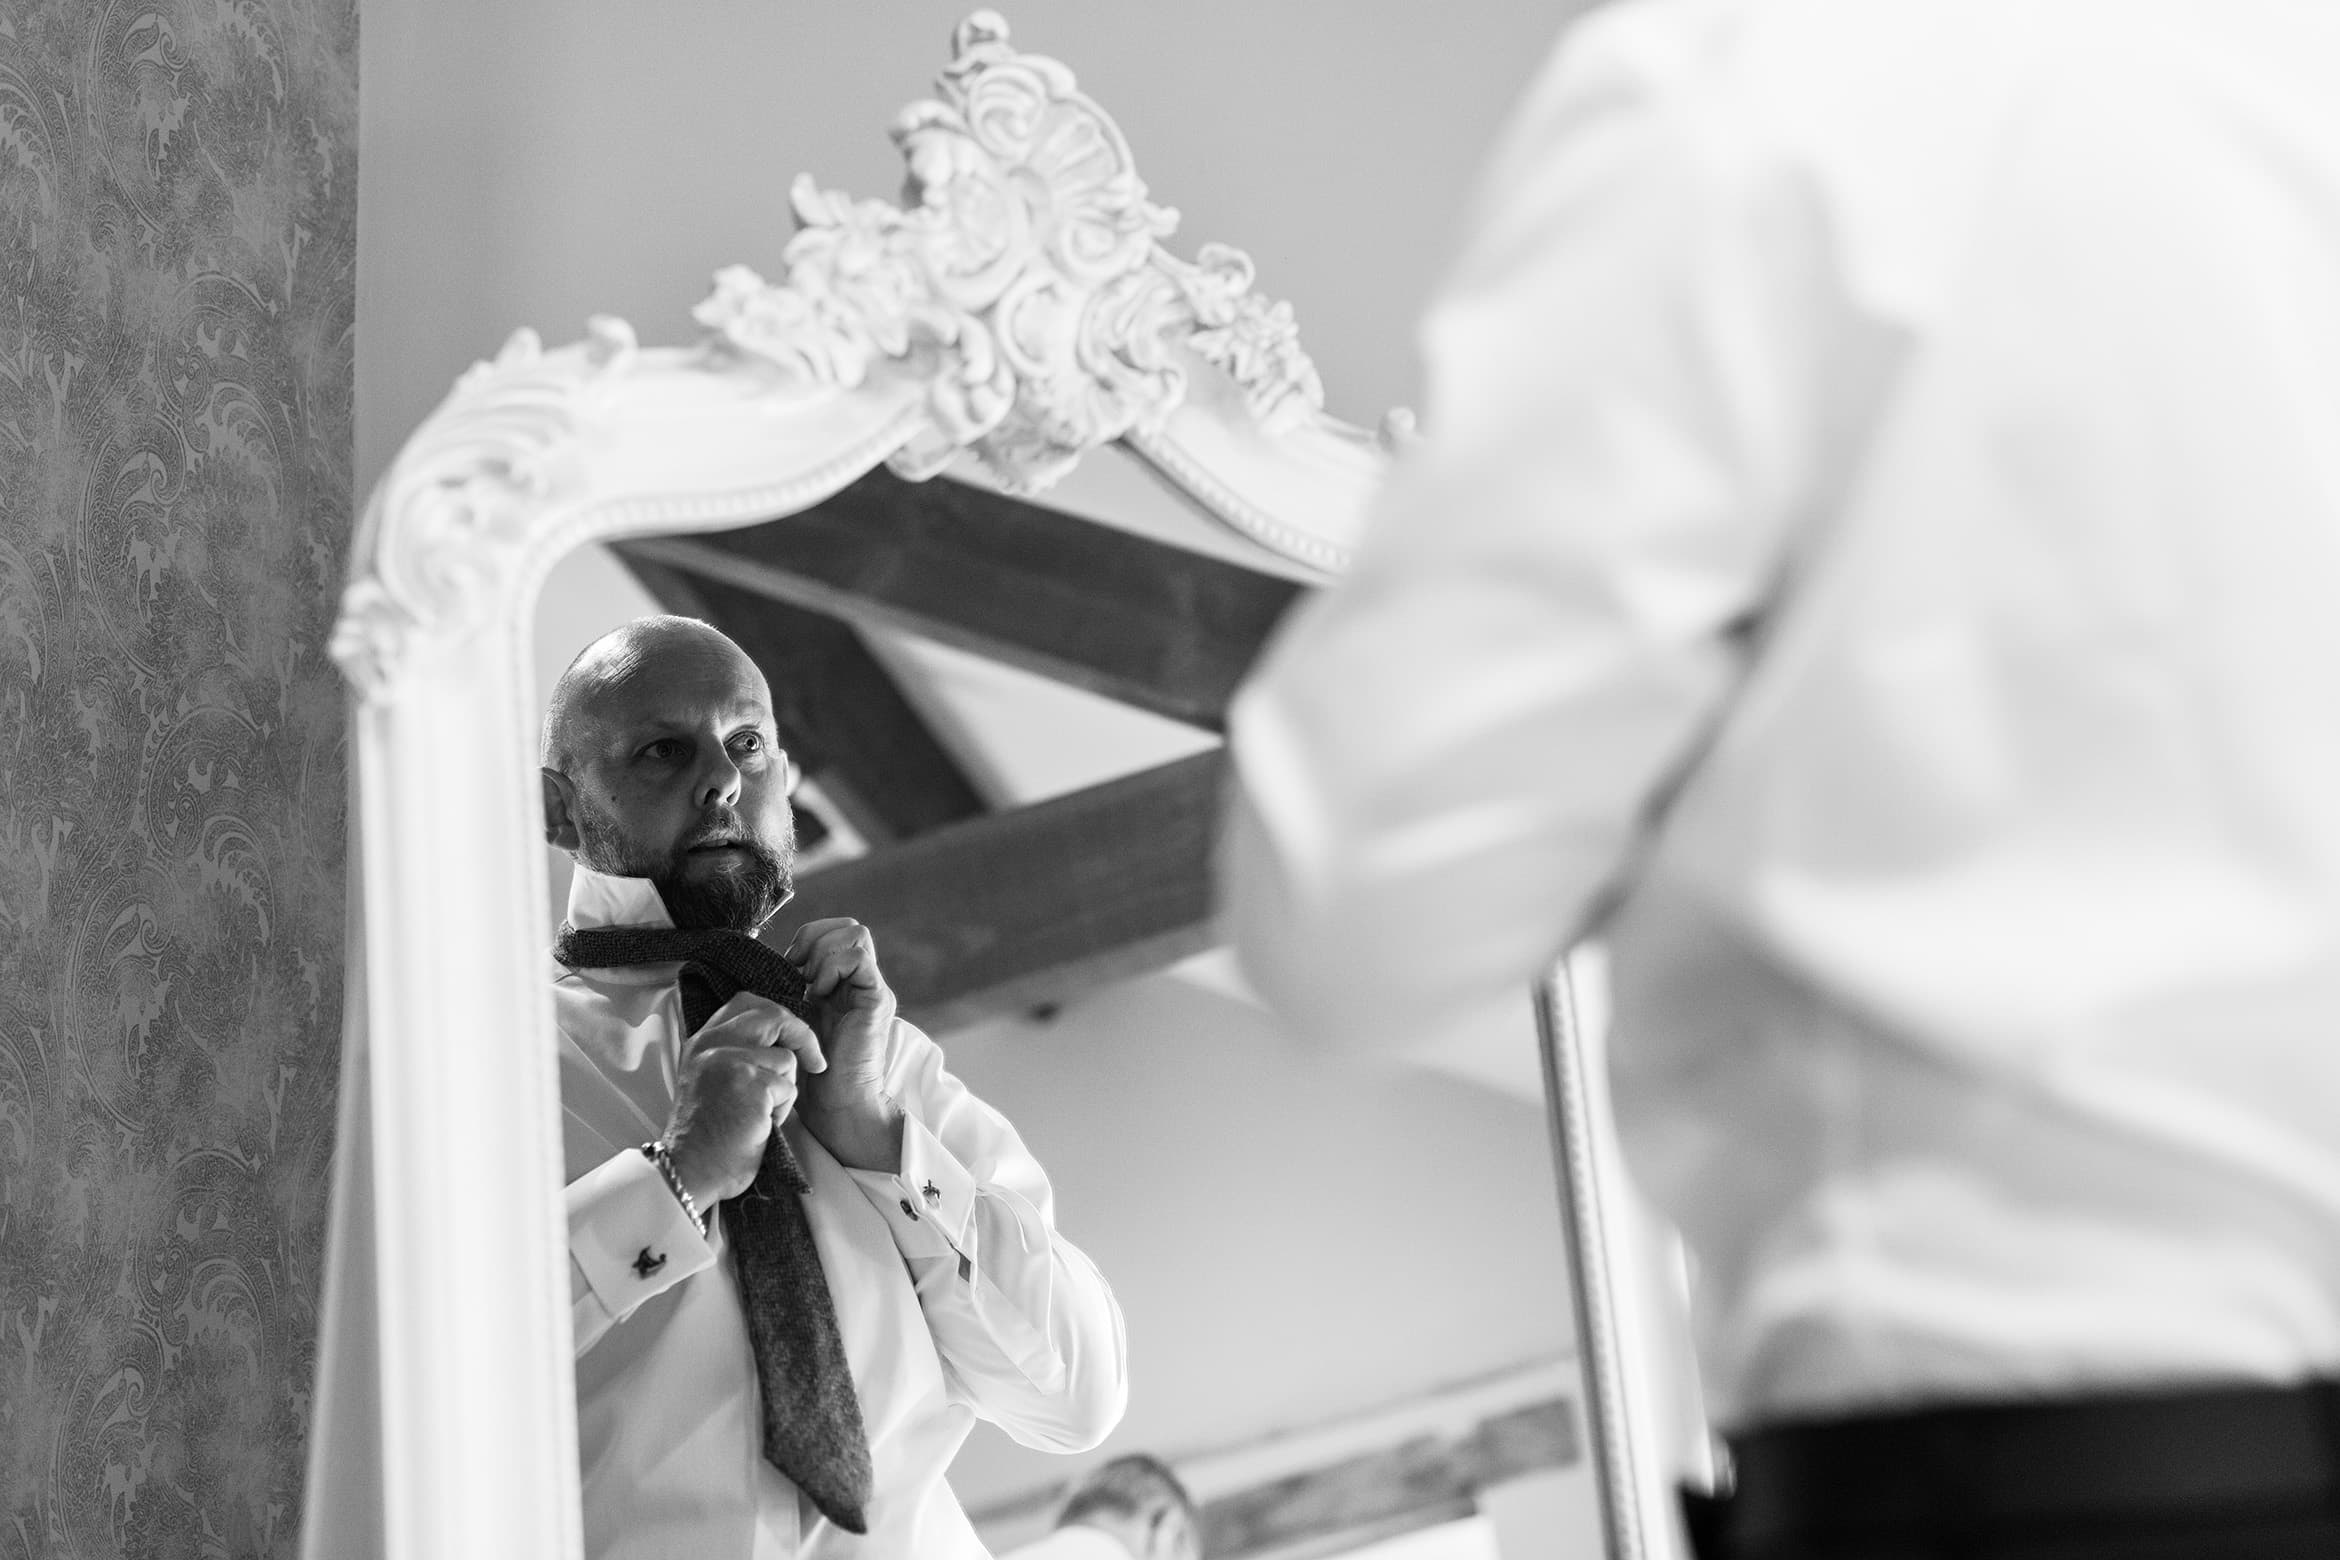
(1876, 557)
(955, 1297)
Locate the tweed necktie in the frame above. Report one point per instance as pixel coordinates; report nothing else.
(812, 1420)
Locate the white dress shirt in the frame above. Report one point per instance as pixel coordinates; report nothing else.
(955, 1296)
(1876, 556)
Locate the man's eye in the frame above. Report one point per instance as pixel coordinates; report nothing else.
(748, 742)
(664, 749)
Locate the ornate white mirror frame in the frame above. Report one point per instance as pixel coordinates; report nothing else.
(1018, 308)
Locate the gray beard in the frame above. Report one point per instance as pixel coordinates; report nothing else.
(740, 900)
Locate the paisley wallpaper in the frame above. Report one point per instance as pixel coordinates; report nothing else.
(178, 201)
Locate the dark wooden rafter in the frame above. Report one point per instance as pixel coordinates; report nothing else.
(982, 915)
(998, 914)
(839, 711)
(1136, 620)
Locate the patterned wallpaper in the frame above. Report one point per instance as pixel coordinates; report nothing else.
(178, 200)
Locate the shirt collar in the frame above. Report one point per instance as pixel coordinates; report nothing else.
(599, 899)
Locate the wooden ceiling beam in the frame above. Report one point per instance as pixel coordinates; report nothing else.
(1136, 620)
(1006, 912)
(840, 713)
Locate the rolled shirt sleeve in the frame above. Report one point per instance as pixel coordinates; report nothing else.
(629, 1240)
(1445, 758)
(1025, 1324)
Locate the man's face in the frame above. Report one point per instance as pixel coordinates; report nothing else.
(679, 778)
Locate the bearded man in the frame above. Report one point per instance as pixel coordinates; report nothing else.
(804, 1259)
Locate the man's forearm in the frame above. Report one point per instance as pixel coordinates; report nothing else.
(866, 1136)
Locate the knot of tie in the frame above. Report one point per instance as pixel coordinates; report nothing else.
(717, 964)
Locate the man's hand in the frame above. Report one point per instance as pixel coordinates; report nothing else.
(847, 1106)
(736, 1083)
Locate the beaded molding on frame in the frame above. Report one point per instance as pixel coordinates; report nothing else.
(1025, 282)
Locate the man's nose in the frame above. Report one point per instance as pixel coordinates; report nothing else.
(718, 781)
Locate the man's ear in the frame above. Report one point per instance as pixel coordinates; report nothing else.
(560, 811)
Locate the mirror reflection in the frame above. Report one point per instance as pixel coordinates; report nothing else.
(1318, 1264)
(1342, 1289)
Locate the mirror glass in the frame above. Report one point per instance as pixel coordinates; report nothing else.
(1329, 1272)
(1315, 1259)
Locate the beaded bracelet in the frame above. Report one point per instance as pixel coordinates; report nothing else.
(661, 1155)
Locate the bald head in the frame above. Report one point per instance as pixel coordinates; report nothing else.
(644, 653)
(660, 761)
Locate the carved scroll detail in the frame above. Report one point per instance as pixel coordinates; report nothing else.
(463, 494)
(1024, 285)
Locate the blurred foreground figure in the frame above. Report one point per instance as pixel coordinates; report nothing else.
(1876, 558)
(1132, 1508)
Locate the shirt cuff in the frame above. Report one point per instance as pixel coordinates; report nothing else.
(929, 1203)
(628, 1233)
